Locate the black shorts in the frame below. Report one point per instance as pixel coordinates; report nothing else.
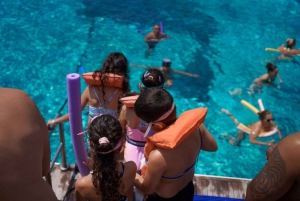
(186, 194)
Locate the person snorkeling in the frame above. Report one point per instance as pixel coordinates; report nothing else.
(167, 71)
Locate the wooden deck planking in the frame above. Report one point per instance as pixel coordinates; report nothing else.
(204, 185)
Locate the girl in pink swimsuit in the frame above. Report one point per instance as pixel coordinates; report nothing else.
(135, 140)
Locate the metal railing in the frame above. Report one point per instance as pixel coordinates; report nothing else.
(61, 149)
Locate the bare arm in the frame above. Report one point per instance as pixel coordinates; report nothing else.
(280, 80)
(139, 66)
(274, 180)
(254, 134)
(208, 142)
(122, 116)
(65, 118)
(155, 167)
(185, 73)
(279, 133)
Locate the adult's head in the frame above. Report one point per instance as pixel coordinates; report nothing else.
(106, 137)
(152, 77)
(290, 43)
(156, 107)
(272, 69)
(156, 29)
(266, 118)
(116, 63)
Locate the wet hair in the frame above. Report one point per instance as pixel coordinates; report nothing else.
(290, 43)
(106, 176)
(262, 115)
(271, 67)
(153, 77)
(115, 63)
(166, 63)
(153, 103)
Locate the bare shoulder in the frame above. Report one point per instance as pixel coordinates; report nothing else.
(130, 166)
(83, 183)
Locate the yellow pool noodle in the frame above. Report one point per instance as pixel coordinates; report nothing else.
(274, 50)
(250, 107)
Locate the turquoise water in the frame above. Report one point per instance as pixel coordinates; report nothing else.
(223, 42)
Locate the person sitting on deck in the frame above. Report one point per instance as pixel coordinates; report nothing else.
(109, 179)
(280, 177)
(167, 71)
(172, 151)
(24, 149)
(102, 99)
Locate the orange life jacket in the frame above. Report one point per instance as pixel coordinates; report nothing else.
(177, 132)
(129, 100)
(111, 80)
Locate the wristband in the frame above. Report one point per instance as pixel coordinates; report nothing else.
(53, 122)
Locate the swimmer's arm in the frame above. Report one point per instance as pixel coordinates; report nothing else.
(155, 168)
(254, 134)
(277, 176)
(208, 142)
(165, 36)
(139, 66)
(278, 131)
(149, 38)
(185, 73)
(65, 118)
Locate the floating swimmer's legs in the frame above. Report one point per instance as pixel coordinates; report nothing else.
(231, 116)
(234, 141)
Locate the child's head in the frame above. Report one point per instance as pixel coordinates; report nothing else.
(152, 77)
(106, 137)
(116, 63)
(155, 105)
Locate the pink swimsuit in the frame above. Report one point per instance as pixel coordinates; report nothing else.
(134, 147)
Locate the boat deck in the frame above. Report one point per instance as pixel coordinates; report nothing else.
(228, 187)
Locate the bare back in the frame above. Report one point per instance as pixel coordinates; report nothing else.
(85, 190)
(109, 92)
(24, 149)
(180, 159)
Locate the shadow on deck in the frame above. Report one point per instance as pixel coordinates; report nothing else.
(207, 185)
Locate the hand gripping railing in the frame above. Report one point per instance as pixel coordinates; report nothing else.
(62, 149)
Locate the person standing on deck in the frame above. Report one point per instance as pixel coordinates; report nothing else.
(172, 151)
(24, 149)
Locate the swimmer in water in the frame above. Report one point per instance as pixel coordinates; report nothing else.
(266, 79)
(167, 71)
(153, 38)
(265, 124)
(288, 52)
